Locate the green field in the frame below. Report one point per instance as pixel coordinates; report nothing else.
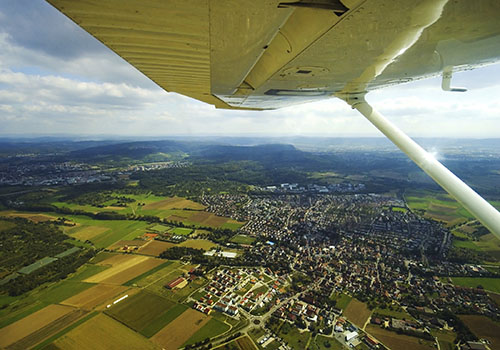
(165, 318)
(342, 300)
(147, 273)
(242, 239)
(144, 312)
(47, 341)
(117, 230)
(181, 231)
(491, 284)
(438, 206)
(211, 329)
(38, 298)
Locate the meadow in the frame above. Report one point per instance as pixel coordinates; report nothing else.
(357, 312)
(490, 284)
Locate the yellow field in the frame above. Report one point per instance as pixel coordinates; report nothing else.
(88, 232)
(114, 259)
(155, 248)
(357, 312)
(130, 262)
(398, 341)
(174, 203)
(32, 323)
(173, 335)
(95, 296)
(103, 333)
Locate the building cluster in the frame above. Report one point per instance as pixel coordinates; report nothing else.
(159, 165)
(365, 245)
(50, 174)
(230, 290)
(345, 187)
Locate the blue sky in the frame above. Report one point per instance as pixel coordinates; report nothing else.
(57, 79)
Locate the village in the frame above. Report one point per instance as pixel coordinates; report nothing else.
(360, 246)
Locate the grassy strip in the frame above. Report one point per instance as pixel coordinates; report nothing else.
(64, 331)
(38, 305)
(146, 274)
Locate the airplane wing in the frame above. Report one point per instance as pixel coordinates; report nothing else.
(266, 54)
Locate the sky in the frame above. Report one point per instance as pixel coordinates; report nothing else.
(56, 79)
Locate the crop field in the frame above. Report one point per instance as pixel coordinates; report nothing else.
(135, 280)
(163, 275)
(84, 233)
(38, 299)
(36, 321)
(483, 327)
(174, 203)
(438, 206)
(491, 284)
(398, 341)
(124, 271)
(115, 230)
(106, 333)
(181, 231)
(211, 329)
(160, 228)
(111, 259)
(128, 243)
(242, 239)
(155, 248)
(94, 296)
(201, 218)
(30, 216)
(204, 244)
(181, 329)
(140, 310)
(357, 312)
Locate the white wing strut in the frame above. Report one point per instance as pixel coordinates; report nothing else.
(473, 202)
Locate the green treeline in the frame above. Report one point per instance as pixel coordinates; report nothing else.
(28, 242)
(53, 272)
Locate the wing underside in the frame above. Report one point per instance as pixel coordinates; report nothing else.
(266, 54)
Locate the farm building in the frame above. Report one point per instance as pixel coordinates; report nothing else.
(179, 283)
(350, 336)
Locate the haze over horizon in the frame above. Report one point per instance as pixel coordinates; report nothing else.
(55, 79)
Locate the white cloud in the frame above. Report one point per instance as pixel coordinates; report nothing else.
(82, 87)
